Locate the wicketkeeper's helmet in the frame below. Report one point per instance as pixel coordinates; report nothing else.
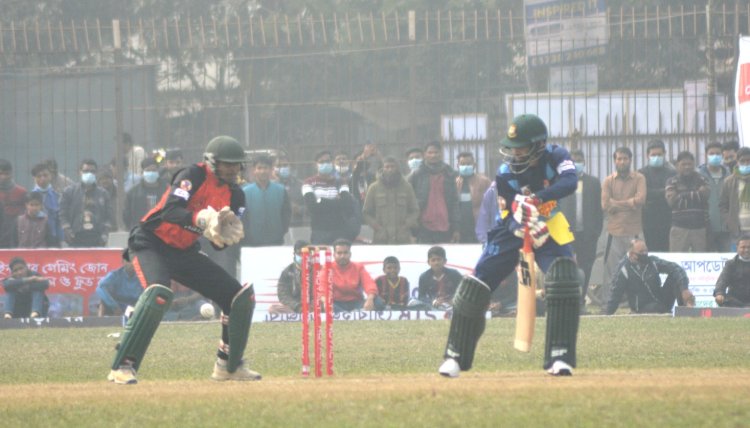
(526, 130)
(225, 149)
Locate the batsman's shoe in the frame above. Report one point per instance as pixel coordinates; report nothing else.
(123, 375)
(560, 368)
(449, 368)
(242, 373)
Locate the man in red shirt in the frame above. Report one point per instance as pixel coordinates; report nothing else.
(12, 200)
(350, 282)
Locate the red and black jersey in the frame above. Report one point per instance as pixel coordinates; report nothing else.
(192, 189)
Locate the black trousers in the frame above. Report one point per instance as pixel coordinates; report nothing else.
(158, 263)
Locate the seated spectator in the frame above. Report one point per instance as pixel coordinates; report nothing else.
(289, 287)
(392, 288)
(638, 276)
(24, 291)
(733, 285)
(32, 228)
(118, 290)
(438, 284)
(350, 282)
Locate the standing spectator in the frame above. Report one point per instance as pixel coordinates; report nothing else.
(58, 181)
(328, 201)
(687, 194)
(289, 287)
(105, 179)
(734, 202)
(268, 211)
(143, 196)
(118, 290)
(86, 210)
(173, 161)
(729, 154)
(715, 173)
(390, 206)
(350, 282)
(733, 284)
(24, 291)
(639, 276)
(438, 284)
(51, 200)
(623, 196)
(356, 180)
(133, 155)
(342, 166)
(32, 227)
(583, 209)
(656, 212)
(13, 199)
(435, 187)
(392, 288)
(470, 186)
(293, 186)
(414, 159)
(489, 213)
(367, 164)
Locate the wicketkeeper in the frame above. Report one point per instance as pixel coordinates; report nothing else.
(531, 179)
(203, 199)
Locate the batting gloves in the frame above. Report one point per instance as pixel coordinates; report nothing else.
(539, 233)
(524, 211)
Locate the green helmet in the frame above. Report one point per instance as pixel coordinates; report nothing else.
(526, 130)
(224, 149)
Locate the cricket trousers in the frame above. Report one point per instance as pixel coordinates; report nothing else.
(500, 255)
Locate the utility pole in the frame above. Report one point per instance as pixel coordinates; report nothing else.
(119, 155)
(711, 86)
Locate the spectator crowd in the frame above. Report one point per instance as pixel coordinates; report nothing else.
(665, 206)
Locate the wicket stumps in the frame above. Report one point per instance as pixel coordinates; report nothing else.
(314, 261)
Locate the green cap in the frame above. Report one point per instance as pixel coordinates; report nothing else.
(526, 129)
(225, 149)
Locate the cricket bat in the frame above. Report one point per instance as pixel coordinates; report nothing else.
(526, 306)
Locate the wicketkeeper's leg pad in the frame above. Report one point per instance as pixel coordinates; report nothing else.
(562, 294)
(149, 310)
(240, 319)
(467, 323)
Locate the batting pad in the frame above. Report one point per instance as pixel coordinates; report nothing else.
(467, 323)
(149, 310)
(562, 294)
(240, 318)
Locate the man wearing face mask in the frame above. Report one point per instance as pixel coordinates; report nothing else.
(289, 287)
(143, 196)
(715, 173)
(414, 159)
(638, 276)
(734, 201)
(733, 287)
(657, 214)
(293, 185)
(86, 210)
(328, 201)
(470, 186)
(583, 209)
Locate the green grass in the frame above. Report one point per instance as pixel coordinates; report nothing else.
(649, 371)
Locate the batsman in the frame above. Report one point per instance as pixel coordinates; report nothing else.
(203, 199)
(532, 177)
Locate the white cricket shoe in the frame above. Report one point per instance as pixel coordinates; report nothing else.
(242, 373)
(449, 368)
(123, 375)
(560, 368)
